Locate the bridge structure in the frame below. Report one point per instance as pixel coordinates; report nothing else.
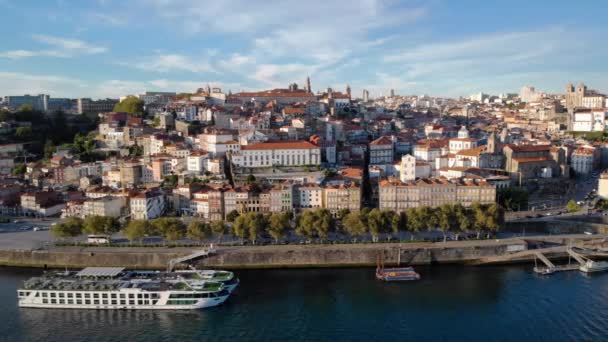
(206, 252)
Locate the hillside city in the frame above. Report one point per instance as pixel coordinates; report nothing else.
(293, 163)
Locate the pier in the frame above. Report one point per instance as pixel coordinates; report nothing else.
(194, 256)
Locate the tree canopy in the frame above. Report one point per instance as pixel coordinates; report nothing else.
(132, 105)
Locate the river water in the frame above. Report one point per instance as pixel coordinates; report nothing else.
(450, 303)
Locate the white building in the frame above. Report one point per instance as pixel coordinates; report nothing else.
(196, 162)
(602, 189)
(529, 94)
(582, 160)
(587, 120)
(410, 168)
(285, 153)
(309, 196)
(104, 206)
(147, 205)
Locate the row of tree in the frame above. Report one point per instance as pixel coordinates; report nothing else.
(310, 224)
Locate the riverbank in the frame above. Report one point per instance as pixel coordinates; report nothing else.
(289, 256)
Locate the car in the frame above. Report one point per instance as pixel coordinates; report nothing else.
(36, 229)
(548, 214)
(588, 233)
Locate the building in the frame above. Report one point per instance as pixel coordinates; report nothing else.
(525, 162)
(602, 189)
(42, 203)
(589, 120)
(104, 206)
(528, 94)
(584, 160)
(284, 153)
(38, 102)
(410, 168)
(308, 196)
(434, 192)
(156, 97)
(343, 196)
(147, 205)
(88, 106)
(131, 173)
(381, 151)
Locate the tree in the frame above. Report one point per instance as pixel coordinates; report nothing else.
(375, 223)
(306, 224)
(397, 222)
(446, 219)
(354, 225)
(49, 149)
(232, 215)
(240, 227)
(324, 223)
(479, 218)
(218, 228)
(415, 222)
(137, 230)
(513, 198)
(19, 169)
(23, 133)
(256, 225)
(198, 230)
(171, 229)
(572, 207)
(71, 227)
(278, 223)
(462, 216)
(101, 225)
(342, 213)
(250, 179)
(131, 105)
(494, 217)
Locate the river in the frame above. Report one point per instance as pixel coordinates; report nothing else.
(450, 303)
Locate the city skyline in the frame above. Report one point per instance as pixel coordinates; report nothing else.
(109, 48)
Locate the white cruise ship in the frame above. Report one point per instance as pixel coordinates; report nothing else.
(117, 288)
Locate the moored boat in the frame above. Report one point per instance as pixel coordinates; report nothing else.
(117, 288)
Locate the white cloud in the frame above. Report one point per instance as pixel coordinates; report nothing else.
(59, 47)
(23, 83)
(162, 62)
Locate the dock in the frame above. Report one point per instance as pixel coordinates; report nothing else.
(196, 255)
(551, 268)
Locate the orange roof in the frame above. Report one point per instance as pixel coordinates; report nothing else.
(472, 152)
(281, 145)
(382, 141)
(531, 159)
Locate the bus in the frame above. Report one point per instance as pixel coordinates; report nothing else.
(98, 239)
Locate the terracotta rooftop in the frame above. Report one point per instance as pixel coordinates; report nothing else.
(281, 145)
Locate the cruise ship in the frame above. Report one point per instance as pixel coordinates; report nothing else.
(117, 288)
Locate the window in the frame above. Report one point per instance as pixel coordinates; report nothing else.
(79, 301)
(87, 301)
(79, 295)
(45, 301)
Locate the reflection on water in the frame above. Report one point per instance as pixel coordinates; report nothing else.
(449, 303)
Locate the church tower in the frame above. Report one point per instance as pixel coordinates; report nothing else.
(348, 91)
(308, 88)
(492, 143)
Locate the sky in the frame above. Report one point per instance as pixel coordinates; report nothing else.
(110, 48)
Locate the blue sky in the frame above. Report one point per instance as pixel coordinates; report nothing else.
(440, 47)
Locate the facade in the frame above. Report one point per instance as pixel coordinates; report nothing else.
(38, 102)
(287, 153)
(584, 160)
(339, 197)
(434, 192)
(42, 203)
(308, 196)
(410, 168)
(525, 162)
(381, 151)
(602, 189)
(88, 106)
(103, 206)
(147, 205)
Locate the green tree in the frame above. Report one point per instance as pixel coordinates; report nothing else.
(397, 222)
(137, 230)
(354, 225)
(232, 215)
(19, 169)
(463, 217)
(171, 229)
(49, 149)
(250, 179)
(446, 219)
(198, 230)
(324, 223)
(513, 198)
(415, 222)
(23, 133)
(479, 218)
(131, 105)
(101, 225)
(70, 227)
(305, 225)
(278, 223)
(342, 213)
(572, 207)
(257, 223)
(240, 227)
(494, 217)
(218, 228)
(375, 223)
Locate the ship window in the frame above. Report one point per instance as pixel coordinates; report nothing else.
(140, 302)
(131, 295)
(114, 302)
(88, 301)
(79, 295)
(70, 301)
(96, 301)
(21, 294)
(70, 295)
(113, 295)
(61, 295)
(123, 302)
(131, 302)
(44, 294)
(122, 295)
(104, 295)
(53, 301)
(78, 301)
(61, 301)
(139, 295)
(45, 301)
(95, 295)
(146, 295)
(87, 295)
(53, 294)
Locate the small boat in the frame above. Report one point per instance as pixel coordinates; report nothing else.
(396, 273)
(591, 266)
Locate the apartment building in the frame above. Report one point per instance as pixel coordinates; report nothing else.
(284, 153)
(147, 205)
(344, 196)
